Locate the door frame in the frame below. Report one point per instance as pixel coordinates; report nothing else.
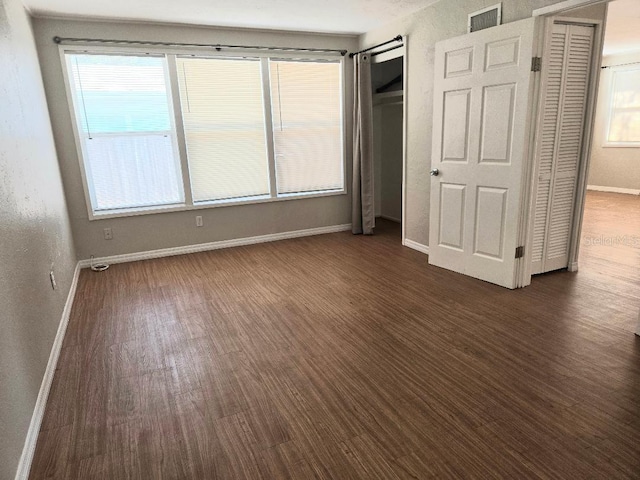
(550, 14)
(565, 5)
(383, 57)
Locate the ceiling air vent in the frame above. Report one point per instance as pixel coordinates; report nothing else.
(485, 18)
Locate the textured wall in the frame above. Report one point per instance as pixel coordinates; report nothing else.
(612, 167)
(445, 19)
(34, 233)
(163, 230)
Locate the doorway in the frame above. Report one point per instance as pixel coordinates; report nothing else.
(387, 82)
(609, 240)
(509, 172)
(604, 235)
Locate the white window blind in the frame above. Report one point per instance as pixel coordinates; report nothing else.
(624, 122)
(255, 129)
(306, 101)
(125, 126)
(224, 124)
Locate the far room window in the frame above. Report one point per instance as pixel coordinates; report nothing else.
(176, 131)
(125, 128)
(624, 115)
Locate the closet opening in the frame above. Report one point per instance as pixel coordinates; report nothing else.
(387, 82)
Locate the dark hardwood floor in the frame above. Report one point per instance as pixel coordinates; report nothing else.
(344, 357)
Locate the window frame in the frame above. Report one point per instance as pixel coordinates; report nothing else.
(266, 65)
(171, 75)
(615, 70)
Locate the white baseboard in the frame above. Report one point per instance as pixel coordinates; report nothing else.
(38, 411)
(416, 246)
(203, 247)
(391, 219)
(598, 188)
(573, 267)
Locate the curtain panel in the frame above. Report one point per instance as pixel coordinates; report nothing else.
(363, 210)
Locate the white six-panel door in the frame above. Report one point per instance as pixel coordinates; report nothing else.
(482, 109)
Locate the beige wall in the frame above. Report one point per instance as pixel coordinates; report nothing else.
(610, 166)
(445, 19)
(163, 230)
(34, 233)
(391, 162)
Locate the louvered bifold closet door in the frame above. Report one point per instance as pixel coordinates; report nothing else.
(560, 144)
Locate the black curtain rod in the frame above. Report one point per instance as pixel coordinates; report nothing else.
(218, 46)
(621, 65)
(397, 38)
(386, 50)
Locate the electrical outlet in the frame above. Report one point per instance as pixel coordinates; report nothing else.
(108, 234)
(52, 277)
(199, 222)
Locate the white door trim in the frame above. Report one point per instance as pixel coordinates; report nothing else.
(564, 6)
(405, 97)
(590, 119)
(523, 270)
(401, 53)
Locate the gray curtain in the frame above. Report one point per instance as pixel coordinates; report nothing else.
(363, 213)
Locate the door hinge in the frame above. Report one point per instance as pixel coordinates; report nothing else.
(519, 252)
(536, 64)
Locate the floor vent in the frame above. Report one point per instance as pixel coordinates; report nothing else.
(485, 18)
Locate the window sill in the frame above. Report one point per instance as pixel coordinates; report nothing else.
(132, 212)
(622, 145)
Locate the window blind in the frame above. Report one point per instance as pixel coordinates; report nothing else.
(224, 123)
(251, 129)
(124, 123)
(624, 123)
(307, 125)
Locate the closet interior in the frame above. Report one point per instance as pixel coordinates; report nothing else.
(388, 117)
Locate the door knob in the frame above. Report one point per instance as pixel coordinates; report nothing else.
(435, 172)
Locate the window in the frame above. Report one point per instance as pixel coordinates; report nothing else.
(125, 130)
(166, 131)
(624, 115)
(224, 125)
(307, 125)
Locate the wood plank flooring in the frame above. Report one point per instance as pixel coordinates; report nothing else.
(344, 357)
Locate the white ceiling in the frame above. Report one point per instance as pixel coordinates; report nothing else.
(623, 27)
(328, 16)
